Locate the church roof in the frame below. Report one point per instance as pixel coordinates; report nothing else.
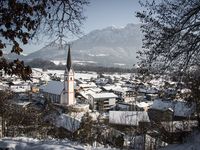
(54, 87)
(69, 63)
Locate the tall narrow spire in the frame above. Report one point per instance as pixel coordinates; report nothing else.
(69, 59)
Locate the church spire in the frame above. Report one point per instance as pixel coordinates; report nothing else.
(68, 67)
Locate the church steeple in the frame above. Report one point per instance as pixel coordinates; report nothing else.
(69, 63)
(68, 91)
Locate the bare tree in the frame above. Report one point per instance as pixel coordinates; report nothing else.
(22, 20)
(171, 34)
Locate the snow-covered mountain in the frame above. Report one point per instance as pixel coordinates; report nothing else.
(108, 47)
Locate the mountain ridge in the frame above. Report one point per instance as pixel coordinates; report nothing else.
(105, 47)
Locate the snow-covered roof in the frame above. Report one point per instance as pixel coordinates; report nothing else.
(101, 81)
(95, 89)
(148, 90)
(128, 117)
(117, 75)
(117, 88)
(110, 87)
(20, 88)
(143, 104)
(54, 87)
(85, 76)
(88, 85)
(181, 108)
(71, 122)
(124, 89)
(23, 104)
(185, 90)
(103, 95)
(86, 93)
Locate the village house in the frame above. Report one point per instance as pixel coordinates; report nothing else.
(102, 101)
(134, 106)
(174, 109)
(124, 94)
(71, 122)
(87, 85)
(128, 118)
(83, 94)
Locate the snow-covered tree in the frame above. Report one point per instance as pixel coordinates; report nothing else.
(171, 34)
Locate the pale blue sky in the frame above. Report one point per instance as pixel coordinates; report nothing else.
(101, 14)
(104, 13)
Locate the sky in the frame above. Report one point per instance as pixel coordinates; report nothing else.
(101, 14)
(104, 13)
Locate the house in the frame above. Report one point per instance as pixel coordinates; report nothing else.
(71, 122)
(62, 92)
(130, 118)
(179, 108)
(167, 110)
(102, 101)
(83, 94)
(130, 106)
(87, 85)
(124, 94)
(143, 106)
(101, 81)
(19, 86)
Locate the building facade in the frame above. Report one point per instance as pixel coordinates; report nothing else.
(62, 92)
(68, 91)
(102, 101)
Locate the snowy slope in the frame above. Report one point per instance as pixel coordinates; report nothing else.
(109, 46)
(24, 143)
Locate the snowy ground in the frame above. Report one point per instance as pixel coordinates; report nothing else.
(60, 73)
(24, 143)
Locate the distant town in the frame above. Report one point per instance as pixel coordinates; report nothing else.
(121, 109)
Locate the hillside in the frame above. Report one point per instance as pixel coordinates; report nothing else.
(107, 47)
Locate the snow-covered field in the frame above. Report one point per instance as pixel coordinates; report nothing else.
(60, 73)
(24, 143)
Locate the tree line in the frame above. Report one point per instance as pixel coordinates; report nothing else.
(46, 64)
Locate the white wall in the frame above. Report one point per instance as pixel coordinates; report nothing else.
(112, 101)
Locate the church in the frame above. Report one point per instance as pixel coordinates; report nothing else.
(62, 92)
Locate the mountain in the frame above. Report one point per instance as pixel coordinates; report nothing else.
(110, 46)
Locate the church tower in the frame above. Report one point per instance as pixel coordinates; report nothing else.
(68, 92)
